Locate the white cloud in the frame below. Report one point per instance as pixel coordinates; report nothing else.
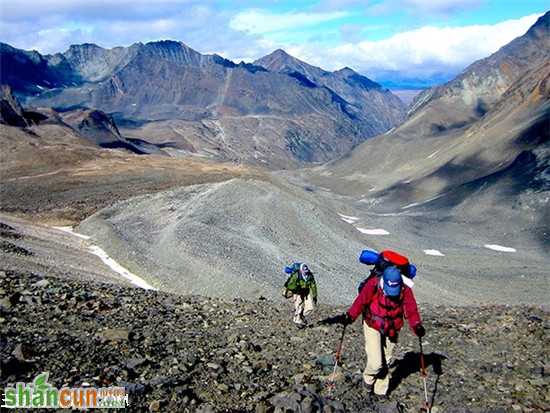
(258, 21)
(52, 25)
(424, 51)
(440, 6)
(423, 7)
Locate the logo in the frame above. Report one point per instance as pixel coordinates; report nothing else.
(41, 394)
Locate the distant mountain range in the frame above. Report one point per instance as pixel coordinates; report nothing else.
(279, 111)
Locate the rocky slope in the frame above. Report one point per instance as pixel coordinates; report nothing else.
(206, 105)
(189, 353)
(232, 239)
(482, 84)
(229, 239)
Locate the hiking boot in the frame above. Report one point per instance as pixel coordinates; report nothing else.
(380, 397)
(300, 325)
(368, 388)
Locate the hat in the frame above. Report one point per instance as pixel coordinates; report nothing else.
(392, 282)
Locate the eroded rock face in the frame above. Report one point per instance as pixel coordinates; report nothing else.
(11, 112)
(175, 353)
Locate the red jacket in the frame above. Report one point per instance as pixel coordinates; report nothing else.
(382, 313)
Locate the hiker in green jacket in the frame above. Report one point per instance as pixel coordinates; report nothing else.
(301, 286)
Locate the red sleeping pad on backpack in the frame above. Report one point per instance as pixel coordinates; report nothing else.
(394, 258)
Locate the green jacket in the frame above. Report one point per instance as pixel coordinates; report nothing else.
(298, 285)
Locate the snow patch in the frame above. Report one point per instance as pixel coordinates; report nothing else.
(40, 87)
(375, 231)
(500, 248)
(69, 230)
(349, 219)
(423, 202)
(433, 154)
(435, 253)
(116, 267)
(111, 263)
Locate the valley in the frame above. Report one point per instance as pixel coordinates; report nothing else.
(151, 196)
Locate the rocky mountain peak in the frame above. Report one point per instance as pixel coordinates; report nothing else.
(280, 61)
(84, 46)
(541, 26)
(348, 71)
(175, 52)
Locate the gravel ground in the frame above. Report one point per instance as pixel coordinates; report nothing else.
(188, 353)
(44, 250)
(230, 239)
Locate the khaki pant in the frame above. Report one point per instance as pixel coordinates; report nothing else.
(303, 306)
(379, 352)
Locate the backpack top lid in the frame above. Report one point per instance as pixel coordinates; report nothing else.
(392, 282)
(394, 258)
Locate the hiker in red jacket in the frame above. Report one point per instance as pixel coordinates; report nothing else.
(384, 302)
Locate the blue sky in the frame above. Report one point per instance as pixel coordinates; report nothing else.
(399, 41)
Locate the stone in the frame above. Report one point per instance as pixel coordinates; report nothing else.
(325, 360)
(5, 304)
(23, 352)
(299, 378)
(42, 283)
(155, 405)
(132, 364)
(214, 366)
(115, 334)
(224, 388)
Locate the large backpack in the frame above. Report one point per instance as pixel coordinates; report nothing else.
(295, 282)
(383, 260)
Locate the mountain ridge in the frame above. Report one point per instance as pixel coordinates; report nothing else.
(206, 105)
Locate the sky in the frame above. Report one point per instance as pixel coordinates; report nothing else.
(400, 43)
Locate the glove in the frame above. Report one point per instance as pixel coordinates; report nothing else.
(344, 319)
(419, 330)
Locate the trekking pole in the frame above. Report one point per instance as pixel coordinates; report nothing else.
(331, 382)
(427, 408)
